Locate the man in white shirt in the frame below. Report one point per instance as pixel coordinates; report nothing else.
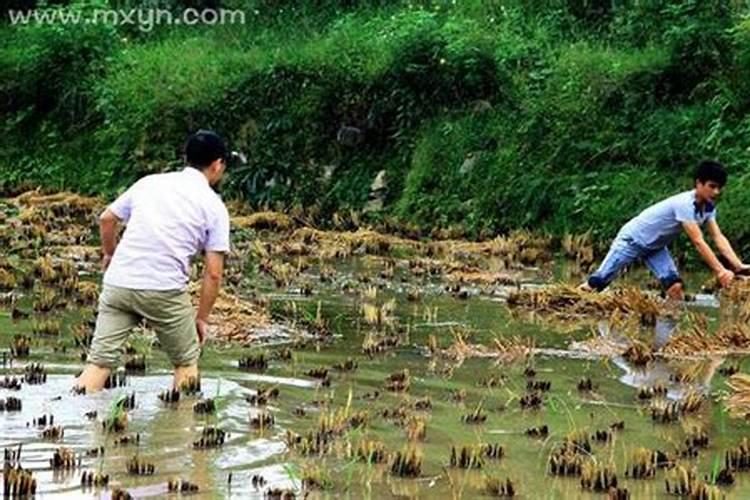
(170, 217)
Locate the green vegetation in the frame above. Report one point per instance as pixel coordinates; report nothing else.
(558, 115)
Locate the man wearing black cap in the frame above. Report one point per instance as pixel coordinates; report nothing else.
(170, 217)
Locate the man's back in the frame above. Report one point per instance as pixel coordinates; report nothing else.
(170, 217)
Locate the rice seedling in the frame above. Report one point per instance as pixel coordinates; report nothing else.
(346, 366)
(20, 346)
(531, 400)
(416, 428)
(279, 494)
(697, 437)
(585, 385)
(537, 432)
(116, 379)
(257, 481)
(315, 477)
(63, 459)
(371, 452)
(618, 494)
(312, 443)
(254, 362)
(18, 482)
(10, 383)
(475, 417)
(95, 452)
(117, 418)
(135, 364)
(128, 440)
(638, 353)
(665, 412)
(683, 482)
(181, 486)
(398, 381)
(10, 404)
(45, 301)
(565, 461)
(204, 407)
(48, 327)
(262, 420)
(170, 395)
(137, 467)
(495, 487)
(43, 421)
(262, 396)
(7, 280)
(211, 437)
(737, 458)
(422, 404)
(598, 476)
(95, 479)
(642, 464)
(319, 373)
(468, 457)
(602, 436)
(617, 426)
(691, 402)
(406, 463)
(53, 433)
(538, 385)
(652, 391)
(82, 336)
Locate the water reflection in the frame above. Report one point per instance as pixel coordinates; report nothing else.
(680, 377)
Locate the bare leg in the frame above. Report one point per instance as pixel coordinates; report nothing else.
(93, 378)
(676, 292)
(183, 373)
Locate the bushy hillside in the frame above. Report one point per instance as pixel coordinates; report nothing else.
(560, 116)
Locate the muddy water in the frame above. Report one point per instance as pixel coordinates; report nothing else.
(166, 432)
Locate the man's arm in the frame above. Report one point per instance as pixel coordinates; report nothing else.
(213, 268)
(723, 245)
(695, 234)
(107, 233)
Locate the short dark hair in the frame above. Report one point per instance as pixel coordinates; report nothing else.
(203, 148)
(711, 170)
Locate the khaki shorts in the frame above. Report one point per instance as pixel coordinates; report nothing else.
(169, 313)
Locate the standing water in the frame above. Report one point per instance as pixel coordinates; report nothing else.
(351, 364)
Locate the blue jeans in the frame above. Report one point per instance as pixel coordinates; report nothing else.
(623, 252)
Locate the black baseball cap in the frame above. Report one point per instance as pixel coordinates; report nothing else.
(204, 147)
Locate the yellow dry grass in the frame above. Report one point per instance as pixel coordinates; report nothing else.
(233, 319)
(738, 403)
(276, 221)
(732, 338)
(569, 301)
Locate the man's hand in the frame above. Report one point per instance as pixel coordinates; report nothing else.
(201, 325)
(742, 270)
(106, 259)
(725, 277)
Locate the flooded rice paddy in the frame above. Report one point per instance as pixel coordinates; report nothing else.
(372, 370)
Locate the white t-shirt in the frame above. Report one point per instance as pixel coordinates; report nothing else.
(170, 218)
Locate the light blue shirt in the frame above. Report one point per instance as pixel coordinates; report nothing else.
(660, 224)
